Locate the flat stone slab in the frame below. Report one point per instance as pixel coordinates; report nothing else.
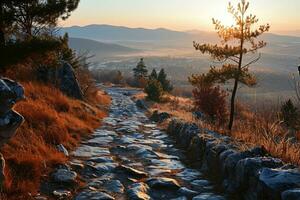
(163, 183)
(133, 172)
(93, 195)
(89, 151)
(138, 191)
(189, 174)
(167, 163)
(208, 196)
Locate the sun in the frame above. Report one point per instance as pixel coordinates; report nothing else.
(225, 18)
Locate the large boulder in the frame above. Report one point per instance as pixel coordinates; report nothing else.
(67, 81)
(10, 93)
(63, 77)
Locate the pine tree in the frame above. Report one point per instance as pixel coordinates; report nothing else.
(154, 90)
(24, 25)
(140, 71)
(242, 33)
(153, 74)
(29, 18)
(162, 78)
(289, 114)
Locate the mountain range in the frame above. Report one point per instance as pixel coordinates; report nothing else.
(119, 39)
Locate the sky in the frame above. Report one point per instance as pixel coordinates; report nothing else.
(182, 15)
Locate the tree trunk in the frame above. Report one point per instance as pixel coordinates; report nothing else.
(236, 80)
(2, 38)
(232, 104)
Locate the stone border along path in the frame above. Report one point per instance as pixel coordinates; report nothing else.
(129, 157)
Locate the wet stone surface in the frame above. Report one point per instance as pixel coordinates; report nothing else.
(129, 157)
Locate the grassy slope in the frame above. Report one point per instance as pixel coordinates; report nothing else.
(51, 119)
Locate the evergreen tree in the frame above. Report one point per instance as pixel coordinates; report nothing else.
(140, 71)
(29, 18)
(153, 74)
(24, 25)
(236, 41)
(289, 114)
(162, 78)
(154, 90)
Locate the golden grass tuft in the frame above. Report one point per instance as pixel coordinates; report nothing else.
(51, 118)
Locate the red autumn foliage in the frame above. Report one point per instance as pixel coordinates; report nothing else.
(211, 100)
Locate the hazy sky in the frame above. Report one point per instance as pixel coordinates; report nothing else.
(283, 15)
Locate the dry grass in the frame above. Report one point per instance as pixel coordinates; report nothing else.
(260, 128)
(51, 119)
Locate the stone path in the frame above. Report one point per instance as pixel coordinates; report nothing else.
(131, 158)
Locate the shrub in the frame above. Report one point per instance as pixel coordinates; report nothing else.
(289, 114)
(211, 100)
(154, 90)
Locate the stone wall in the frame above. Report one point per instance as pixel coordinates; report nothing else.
(250, 174)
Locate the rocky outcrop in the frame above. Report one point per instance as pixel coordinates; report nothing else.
(250, 174)
(63, 77)
(67, 81)
(10, 93)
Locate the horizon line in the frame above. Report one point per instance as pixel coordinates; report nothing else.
(277, 32)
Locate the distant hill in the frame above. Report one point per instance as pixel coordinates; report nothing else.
(147, 39)
(99, 48)
(120, 33)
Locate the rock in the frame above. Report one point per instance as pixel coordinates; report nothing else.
(189, 174)
(62, 149)
(198, 115)
(159, 117)
(274, 181)
(10, 93)
(68, 83)
(138, 191)
(247, 169)
(174, 127)
(102, 168)
(40, 198)
(163, 183)
(186, 134)
(180, 198)
(208, 196)
(132, 172)
(93, 195)
(107, 159)
(293, 194)
(114, 186)
(64, 176)
(89, 151)
(196, 149)
(187, 192)
(200, 184)
(76, 166)
(61, 193)
(141, 104)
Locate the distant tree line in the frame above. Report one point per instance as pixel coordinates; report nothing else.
(155, 85)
